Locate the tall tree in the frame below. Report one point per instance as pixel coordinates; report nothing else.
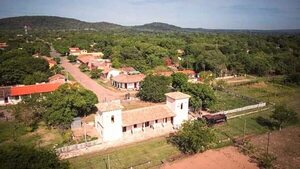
(153, 88)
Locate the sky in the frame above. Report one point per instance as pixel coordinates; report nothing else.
(211, 14)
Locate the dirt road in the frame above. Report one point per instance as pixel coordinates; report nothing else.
(102, 93)
(224, 158)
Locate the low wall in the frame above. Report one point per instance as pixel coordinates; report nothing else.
(78, 146)
(242, 108)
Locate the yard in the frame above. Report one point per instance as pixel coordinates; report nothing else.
(226, 101)
(271, 92)
(43, 137)
(140, 155)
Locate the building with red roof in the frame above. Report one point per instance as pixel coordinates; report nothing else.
(14, 94)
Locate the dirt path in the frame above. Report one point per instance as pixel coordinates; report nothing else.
(225, 158)
(101, 92)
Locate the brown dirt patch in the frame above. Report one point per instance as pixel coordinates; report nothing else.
(259, 85)
(225, 158)
(285, 144)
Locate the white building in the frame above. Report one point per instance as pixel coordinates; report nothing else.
(128, 82)
(112, 123)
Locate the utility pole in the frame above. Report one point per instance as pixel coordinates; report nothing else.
(85, 130)
(244, 131)
(268, 144)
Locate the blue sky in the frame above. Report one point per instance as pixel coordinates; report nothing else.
(218, 14)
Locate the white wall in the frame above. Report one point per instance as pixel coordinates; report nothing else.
(113, 73)
(111, 130)
(181, 114)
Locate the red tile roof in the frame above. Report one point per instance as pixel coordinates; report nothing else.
(124, 78)
(141, 115)
(86, 58)
(32, 89)
(127, 69)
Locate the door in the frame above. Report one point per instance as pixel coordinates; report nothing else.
(147, 124)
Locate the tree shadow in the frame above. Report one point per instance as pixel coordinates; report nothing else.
(265, 122)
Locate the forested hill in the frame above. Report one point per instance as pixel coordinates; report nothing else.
(61, 23)
(52, 22)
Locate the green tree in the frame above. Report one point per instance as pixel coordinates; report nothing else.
(178, 80)
(69, 101)
(57, 60)
(201, 95)
(153, 88)
(193, 137)
(83, 68)
(72, 58)
(36, 77)
(95, 73)
(20, 157)
(282, 115)
(29, 111)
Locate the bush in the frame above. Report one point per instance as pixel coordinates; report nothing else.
(72, 58)
(293, 78)
(83, 68)
(266, 160)
(193, 137)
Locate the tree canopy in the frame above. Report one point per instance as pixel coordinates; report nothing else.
(153, 88)
(20, 157)
(193, 137)
(69, 101)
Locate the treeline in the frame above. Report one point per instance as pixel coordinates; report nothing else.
(220, 53)
(18, 66)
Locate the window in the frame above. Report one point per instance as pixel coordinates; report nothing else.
(17, 97)
(156, 121)
(135, 126)
(124, 129)
(181, 106)
(112, 119)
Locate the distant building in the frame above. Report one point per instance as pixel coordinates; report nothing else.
(3, 45)
(77, 52)
(112, 123)
(14, 94)
(128, 82)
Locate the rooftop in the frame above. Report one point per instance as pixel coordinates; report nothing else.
(109, 106)
(56, 76)
(177, 95)
(124, 78)
(32, 89)
(141, 115)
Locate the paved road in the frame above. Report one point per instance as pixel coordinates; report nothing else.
(102, 93)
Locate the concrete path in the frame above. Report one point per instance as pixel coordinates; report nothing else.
(102, 93)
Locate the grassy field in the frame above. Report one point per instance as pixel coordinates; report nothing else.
(270, 92)
(226, 101)
(137, 155)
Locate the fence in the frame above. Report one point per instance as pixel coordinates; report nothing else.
(243, 108)
(78, 146)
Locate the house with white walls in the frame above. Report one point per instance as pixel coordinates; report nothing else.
(112, 123)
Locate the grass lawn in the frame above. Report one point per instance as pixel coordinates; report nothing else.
(270, 92)
(154, 150)
(235, 127)
(227, 101)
